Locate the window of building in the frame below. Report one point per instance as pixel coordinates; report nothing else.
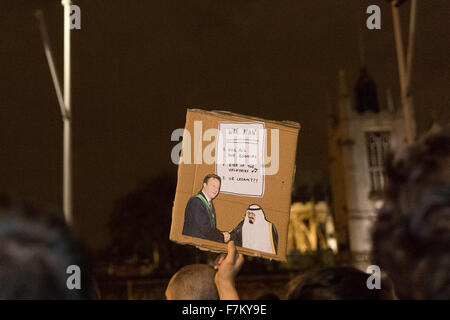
(378, 144)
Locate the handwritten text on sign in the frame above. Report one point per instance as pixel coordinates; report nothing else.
(240, 158)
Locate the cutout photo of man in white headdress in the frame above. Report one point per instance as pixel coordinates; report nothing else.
(255, 232)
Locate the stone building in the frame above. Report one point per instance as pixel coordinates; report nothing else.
(361, 131)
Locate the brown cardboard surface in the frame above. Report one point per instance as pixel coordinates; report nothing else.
(230, 209)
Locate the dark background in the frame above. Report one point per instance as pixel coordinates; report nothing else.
(137, 66)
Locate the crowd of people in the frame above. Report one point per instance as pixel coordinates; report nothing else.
(411, 245)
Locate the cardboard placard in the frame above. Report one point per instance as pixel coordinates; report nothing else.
(255, 160)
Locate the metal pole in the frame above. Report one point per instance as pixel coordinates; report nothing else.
(51, 64)
(412, 32)
(405, 97)
(67, 156)
(409, 64)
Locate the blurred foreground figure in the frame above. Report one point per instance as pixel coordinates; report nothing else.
(268, 296)
(338, 283)
(35, 252)
(193, 282)
(411, 237)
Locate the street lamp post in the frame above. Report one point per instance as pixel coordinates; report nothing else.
(405, 65)
(67, 157)
(64, 101)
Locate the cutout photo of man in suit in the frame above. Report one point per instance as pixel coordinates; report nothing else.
(200, 215)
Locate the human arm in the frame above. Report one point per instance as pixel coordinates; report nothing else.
(228, 267)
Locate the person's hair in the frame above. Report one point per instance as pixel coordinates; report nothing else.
(36, 248)
(411, 238)
(193, 282)
(335, 283)
(213, 176)
(268, 296)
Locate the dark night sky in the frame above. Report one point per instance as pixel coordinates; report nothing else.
(137, 65)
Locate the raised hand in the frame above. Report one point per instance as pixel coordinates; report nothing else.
(228, 267)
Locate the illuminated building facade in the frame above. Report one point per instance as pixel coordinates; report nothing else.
(361, 131)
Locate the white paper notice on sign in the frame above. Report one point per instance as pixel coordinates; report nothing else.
(240, 158)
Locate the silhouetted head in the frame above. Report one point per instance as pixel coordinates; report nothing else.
(268, 296)
(36, 249)
(193, 282)
(337, 283)
(411, 238)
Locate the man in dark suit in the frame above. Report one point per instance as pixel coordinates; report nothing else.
(200, 215)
